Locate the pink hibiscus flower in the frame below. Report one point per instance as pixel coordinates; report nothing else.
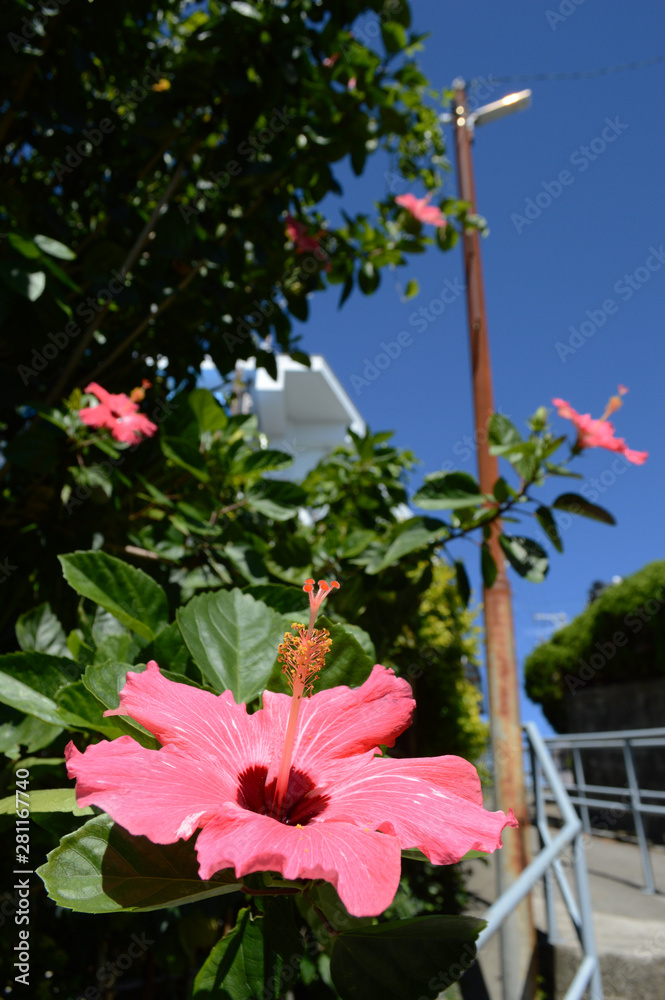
(320, 803)
(599, 433)
(297, 232)
(118, 413)
(421, 209)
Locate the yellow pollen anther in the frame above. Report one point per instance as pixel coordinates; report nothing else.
(302, 656)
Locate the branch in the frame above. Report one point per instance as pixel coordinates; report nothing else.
(130, 260)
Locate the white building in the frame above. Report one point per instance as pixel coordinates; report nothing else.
(305, 412)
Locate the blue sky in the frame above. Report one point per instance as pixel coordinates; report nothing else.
(542, 278)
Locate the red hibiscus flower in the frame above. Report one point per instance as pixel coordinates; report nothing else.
(119, 414)
(322, 803)
(599, 433)
(421, 209)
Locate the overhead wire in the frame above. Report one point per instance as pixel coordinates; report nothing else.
(580, 74)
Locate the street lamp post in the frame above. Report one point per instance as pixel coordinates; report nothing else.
(518, 936)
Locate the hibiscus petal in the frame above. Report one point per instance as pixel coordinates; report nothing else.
(434, 804)
(103, 395)
(160, 794)
(363, 866)
(131, 426)
(197, 722)
(97, 416)
(342, 721)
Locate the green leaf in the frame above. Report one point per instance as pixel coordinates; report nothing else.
(246, 9)
(30, 284)
(298, 306)
(104, 681)
(576, 504)
(346, 291)
(448, 491)
(266, 460)
(463, 585)
(169, 650)
(561, 470)
(488, 566)
(209, 413)
(368, 278)
(527, 557)
(41, 631)
(412, 289)
(502, 432)
(24, 246)
(249, 962)
(184, 450)
(234, 967)
(233, 640)
(20, 733)
(403, 959)
(288, 601)
(47, 800)
(54, 248)
(101, 868)
(394, 36)
(128, 593)
(276, 499)
(29, 682)
(502, 490)
(548, 524)
(80, 709)
(408, 536)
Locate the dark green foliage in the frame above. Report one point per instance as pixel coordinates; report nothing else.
(620, 637)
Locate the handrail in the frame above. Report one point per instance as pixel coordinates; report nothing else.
(625, 740)
(547, 861)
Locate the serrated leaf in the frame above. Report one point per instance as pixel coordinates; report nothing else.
(233, 640)
(128, 593)
(527, 557)
(403, 959)
(101, 868)
(41, 631)
(573, 503)
(29, 682)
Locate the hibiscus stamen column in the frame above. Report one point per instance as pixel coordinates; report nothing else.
(302, 656)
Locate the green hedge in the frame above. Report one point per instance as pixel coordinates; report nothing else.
(619, 638)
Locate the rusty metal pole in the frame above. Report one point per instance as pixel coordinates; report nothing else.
(518, 937)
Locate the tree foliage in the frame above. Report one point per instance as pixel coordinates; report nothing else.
(618, 638)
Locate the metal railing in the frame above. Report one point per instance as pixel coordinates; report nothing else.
(548, 864)
(635, 800)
